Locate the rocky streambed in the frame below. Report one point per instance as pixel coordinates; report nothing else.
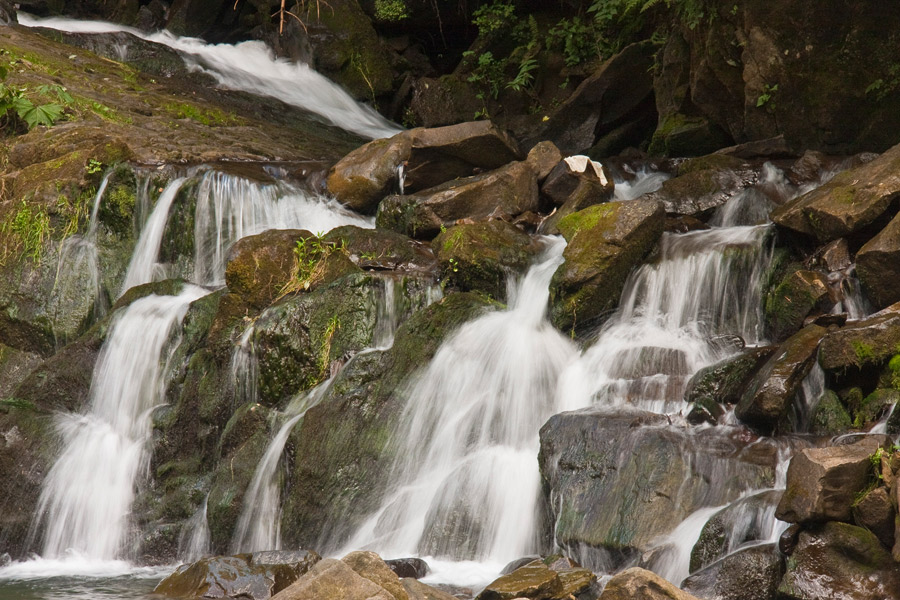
(718, 358)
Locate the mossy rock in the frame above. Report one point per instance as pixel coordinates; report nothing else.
(382, 249)
(830, 416)
(724, 382)
(343, 449)
(605, 242)
(682, 135)
(482, 256)
(260, 266)
(789, 303)
(869, 342)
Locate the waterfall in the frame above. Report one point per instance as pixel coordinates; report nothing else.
(466, 483)
(143, 263)
(251, 67)
(86, 499)
(193, 543)
(259, 526)
(230, 207)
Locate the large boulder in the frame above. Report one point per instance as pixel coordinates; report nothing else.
(823, 483)
(639, 584)
(837, 560)
(852, 200)
(362, 178)
(875, 512)
(724, 382)
(505, 192)
(619, 479)
(332, 579)
(605, 242)
(482, 256)
(370, 566)
(383, 250)
(749, 574)
(256, 576)
(877, 265)
(704, 183)
(340, 453)
(260, 266)
(541, 579)
(869, 342)
(766, 403)
(744, 521)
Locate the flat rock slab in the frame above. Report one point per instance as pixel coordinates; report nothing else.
(639, 584)
(870, 341)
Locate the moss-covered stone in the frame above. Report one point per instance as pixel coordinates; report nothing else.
(482, 256)
(342, 450)
(830, 416)
(869, 342)
(788, 304)
(260, 266)
(382, 249)
(606, 242)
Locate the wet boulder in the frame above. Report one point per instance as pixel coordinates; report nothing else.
(382, 249)
(749, 574)
(850, 201)
(639, 584)
(702, 184)
(830, 416)
(414, 568)
(747, 520)
(260, 266)
(871, 341)
(788, 304)
(766, 403)
(341, 451)
(619, 479)
(7, 13)
(482, 256)
(605, 242)
(503, 193)
(837, 560)
(573, 185)
(256, 576)
(724, 382)
(878, 265)
(534, 580)
(362, 178)
(822, 483)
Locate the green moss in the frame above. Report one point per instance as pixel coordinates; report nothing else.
(588, 218)
(206, 116)
(24, 233)
(864, 352)
(844, 194)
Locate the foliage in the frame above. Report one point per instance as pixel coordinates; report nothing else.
(390, 10)
(881, 88)
(766, 97)
(494, 17)
(25, 231)
(577, 38)
(310, 254)
(21, 110)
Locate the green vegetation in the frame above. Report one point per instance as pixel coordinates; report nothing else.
(391, 10)
(310, 254)
(205, 116)
(24, 232)
(21, 110)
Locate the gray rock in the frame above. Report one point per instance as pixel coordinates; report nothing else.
(639, 584)
(749, 574)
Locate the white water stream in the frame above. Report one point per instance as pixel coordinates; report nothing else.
(86, 499)
(251, 67)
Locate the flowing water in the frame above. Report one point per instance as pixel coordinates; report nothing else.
(251, 67)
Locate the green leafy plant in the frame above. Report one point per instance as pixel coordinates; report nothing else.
(24, 110)
(93, 166)
(765, 99)
(391, 11)
(25, 232)
(577, 38)
(310, 254)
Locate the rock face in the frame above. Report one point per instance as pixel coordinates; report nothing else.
(506, 192)
(766, 403)
(750, 574)
(639, 584)
(876, 265)
(792, 300)
(482, 256)
(604, 243)
(613, 482)
(259, 266)
(850, 201)
(822, 483)
(870, 341)
(256, 576)
(837, 560)
(724, 382)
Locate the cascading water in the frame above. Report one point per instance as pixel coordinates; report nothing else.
(87, 495)
(466, 485)
(251, 67)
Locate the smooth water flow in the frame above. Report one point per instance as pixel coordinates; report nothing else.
(466, 484)
(87, 495)
(251, 67)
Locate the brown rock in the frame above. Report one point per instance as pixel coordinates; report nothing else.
(370, 566)
(259, 266)
(875, 512)
(847, 203)
(535, 580)
(767, 401)
(878, 265)
(542, 158)
(505, 192)
(822, 483)
(419, 591)
(362, 178)
(639, 584)
(332, 579)
(870, 341)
